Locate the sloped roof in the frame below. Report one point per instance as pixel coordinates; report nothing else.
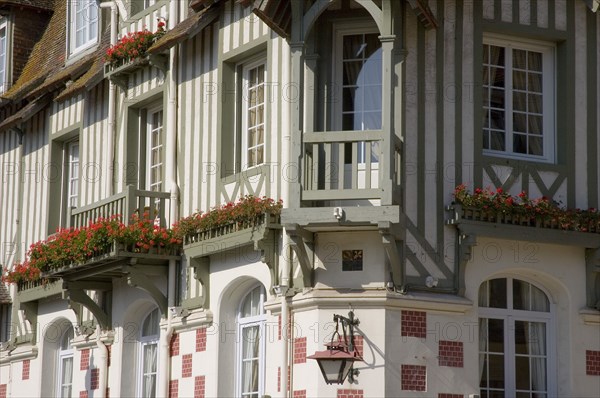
(47, 56)
(186, 29)
(39, 4)
(24, 114)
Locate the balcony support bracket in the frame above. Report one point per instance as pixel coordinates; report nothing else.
(592, 261)
(266, 244)
(76, 295)
(135, 278)
(303, 246)
(201, 266)
(393, 243)
(30, 310)
(464, 247)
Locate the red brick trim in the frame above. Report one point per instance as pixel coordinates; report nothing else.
(300, 394)
(186, 365)
(347, 393)
(84, 361)
(199, 386)
(200, 340)
(95, 379)
(174, 345)
(299, 350)
(447, 395)
(592, 363)
(414, 377)
(173, 388)
(83, 394)
(451, 353)
(26, 368)
(3, 388)
(414, 324)
(279, 379)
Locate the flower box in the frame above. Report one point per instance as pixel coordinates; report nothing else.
(37, 290)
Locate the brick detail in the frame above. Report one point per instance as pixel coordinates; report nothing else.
(414, 377)
(358, 345)
(199, 386)
(107, 392)
(451, 353)
(592, 363)
(279, 379)
(83, 394)
(3, 389)
(26, 368)
(300, 394)
(347, 393)
(95, 379)
(175, 345)
(84, 361)
(299, 350)
(279, 327)
(173, 388)
(200, 339)
(447, 395)
(186, 365)
(108, 354)
(414, 324)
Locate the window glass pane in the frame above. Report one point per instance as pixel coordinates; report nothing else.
(151, 324)
(498, 293)
(534, 61)
(484, 294)
(522, 373)
(496, 335)
(496, 371)
(65, 343)
(66, 377)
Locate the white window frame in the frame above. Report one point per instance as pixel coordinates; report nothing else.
(548, 51)
(150, 129)
(90, 33)
(342, 29)
(72, 165)
(509, 316)
(3, 54)
(246, 322)
(144, 341)
(244, 108)
(62, 355)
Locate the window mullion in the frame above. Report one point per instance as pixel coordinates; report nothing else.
(508, 87)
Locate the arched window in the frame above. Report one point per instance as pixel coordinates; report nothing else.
(251, 344)
(148, 355)
(515, 328)
(64, 381)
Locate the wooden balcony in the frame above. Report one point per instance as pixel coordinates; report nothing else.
(130, 202)
(37, 290)
(350, 165)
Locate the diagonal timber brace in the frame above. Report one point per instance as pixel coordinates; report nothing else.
(267, 246)
(79, 296)
(141, 281)
(392, 239)
(303, 246)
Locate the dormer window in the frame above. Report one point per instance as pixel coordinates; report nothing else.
(83, 25)
(3, 57)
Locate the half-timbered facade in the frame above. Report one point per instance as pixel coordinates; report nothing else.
(362, 116)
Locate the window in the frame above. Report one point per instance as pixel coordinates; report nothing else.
(515, 336)
(155, 150)
(253, 114)
(140, 5)
(5, 315)
(72, 175)
(358, 77)
(83, 29)
(352, 260)
(3, 56)
(251, 344)
(518, 99)
(148, 355)
(65, 364)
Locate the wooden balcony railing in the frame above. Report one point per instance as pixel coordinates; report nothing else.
(342, 165)
(130, 202)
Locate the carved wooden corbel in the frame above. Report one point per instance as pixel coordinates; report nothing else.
(302, 244)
